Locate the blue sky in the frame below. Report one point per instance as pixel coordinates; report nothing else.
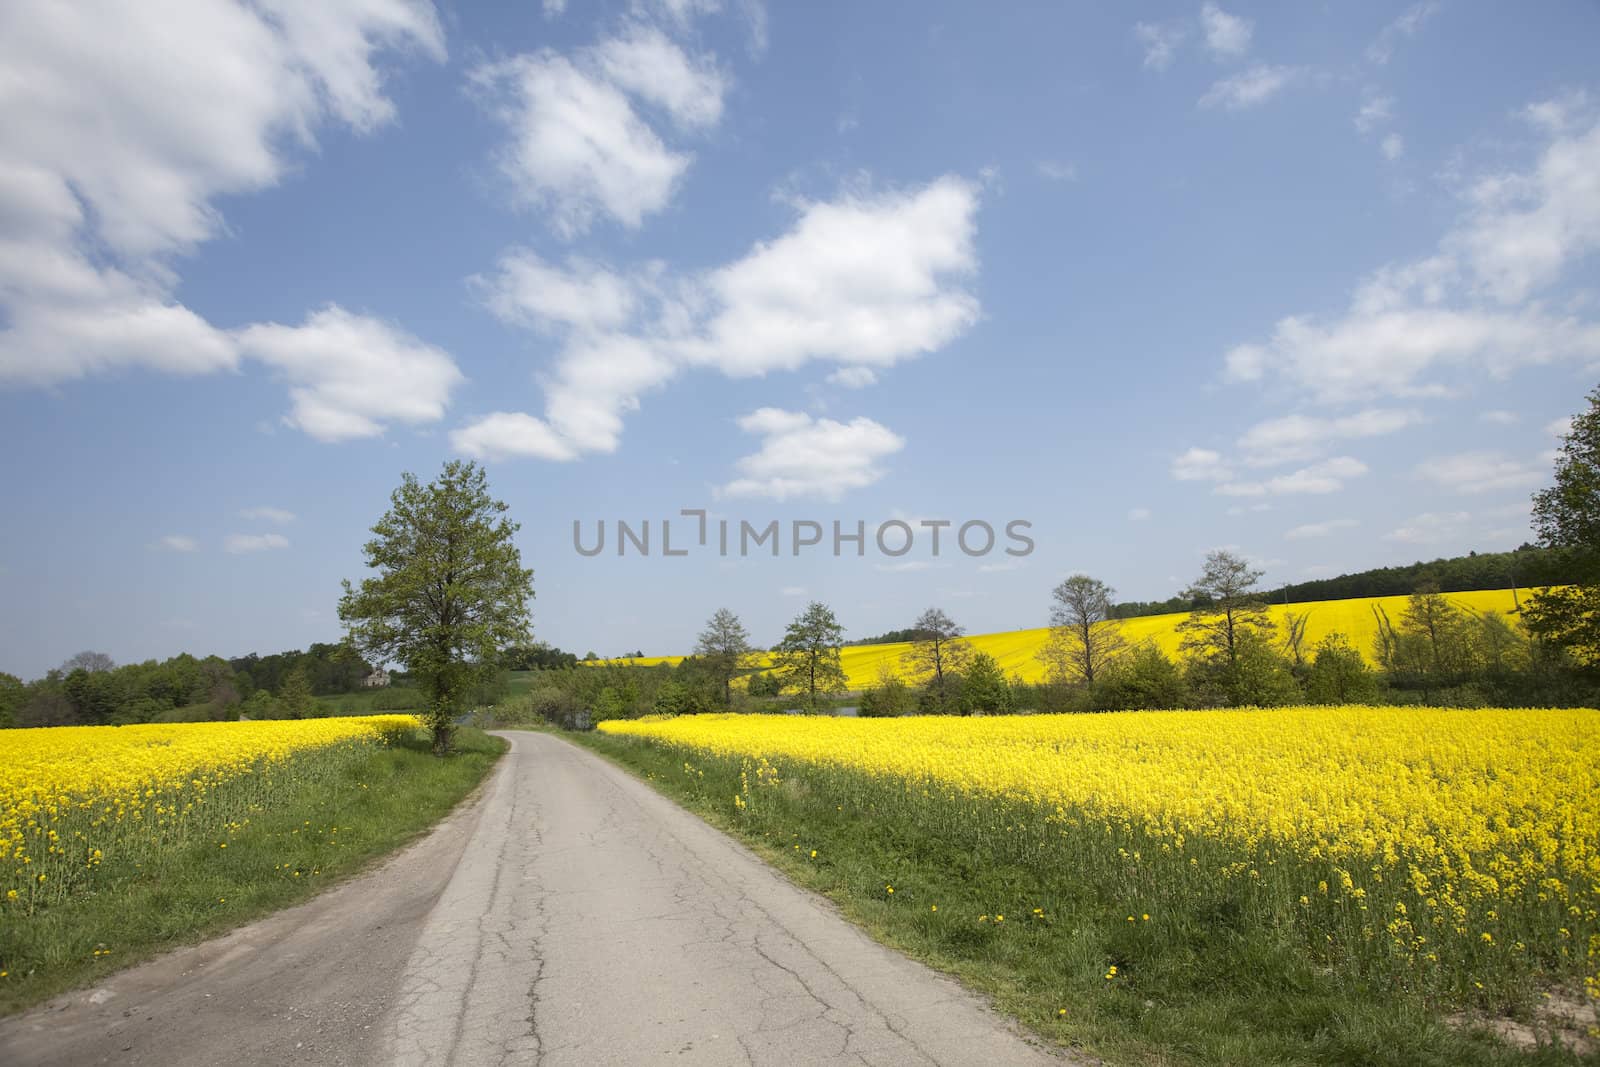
(1317, 284)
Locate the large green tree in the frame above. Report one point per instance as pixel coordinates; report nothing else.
(1567, 516)
(450, 591)
(807, 659)
(724, 648)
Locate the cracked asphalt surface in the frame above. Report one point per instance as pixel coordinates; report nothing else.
(570, 915)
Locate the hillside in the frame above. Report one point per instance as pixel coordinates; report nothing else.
(1018, 650)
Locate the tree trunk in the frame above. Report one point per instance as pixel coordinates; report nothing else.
(441, 739)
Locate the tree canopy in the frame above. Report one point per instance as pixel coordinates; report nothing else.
(450, 590)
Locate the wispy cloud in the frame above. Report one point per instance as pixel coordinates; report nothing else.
(268, 514)
(1250, 88)
(1319, 529)
(242, 543)
(1480, 472)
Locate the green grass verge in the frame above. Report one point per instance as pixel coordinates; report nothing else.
(1199, 985)
(285, 855)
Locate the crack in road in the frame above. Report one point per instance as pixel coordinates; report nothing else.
(573, 916)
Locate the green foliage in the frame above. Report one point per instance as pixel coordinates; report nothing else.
(807, 659)
(675, 698)
(450, 591)
(1258, 675)
(536, 657)
(12, 694)
(294, 696)
(724, 649)
(984, 690)
(1567, 516)
(889, 698)
(1143, 679)
(764, 684)
(329, 668)
(260, 705)
(1339, 674)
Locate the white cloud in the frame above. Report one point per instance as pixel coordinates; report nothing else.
(1201, 465)
(122, 125)
(1057, 171)
(1295, 438)
(578, 148)
(349, 374)
(179, 543)
(268, 514)
(1407, 25)
(1138, 514)
(1328, 476)
(644, 62)
(1374, 112)
(1319, 529)
(1498, 418)
(865, 282)
(1393, 147)
(1249, 88)
(554, 8)
(805, 457)
(527, 291)
(1430, 528)
(1160, 41)
(240, 543)
(507, 434)
(1559, 427)
(904, 566)
(792, 590)
(1471, 305)
(1479, 472)
(1227, 36)
(853, 377)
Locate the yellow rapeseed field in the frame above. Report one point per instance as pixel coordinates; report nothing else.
(76, 799)
(1441, 846)
(1017, 651)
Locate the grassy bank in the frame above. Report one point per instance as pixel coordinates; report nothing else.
(1202, 979)
(316, 830)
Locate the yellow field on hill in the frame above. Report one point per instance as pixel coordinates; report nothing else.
(1018, 650)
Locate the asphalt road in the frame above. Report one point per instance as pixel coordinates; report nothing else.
(569, 915)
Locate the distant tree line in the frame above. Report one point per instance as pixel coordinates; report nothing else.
(91, 690)
(1526, 567)
(1232, 651)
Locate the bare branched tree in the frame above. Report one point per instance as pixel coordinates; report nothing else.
(1084, 638)
(1227, 607)
(939, 653)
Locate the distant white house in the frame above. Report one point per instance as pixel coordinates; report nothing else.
(377, 679)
